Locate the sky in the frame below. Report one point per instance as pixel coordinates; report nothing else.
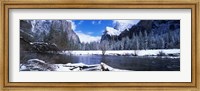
(92, 30)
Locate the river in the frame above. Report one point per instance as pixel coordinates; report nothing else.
(136, 63)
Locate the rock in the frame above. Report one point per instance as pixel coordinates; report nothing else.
(34, 61)
(104, 67)
(22, 67)
(66, 26)
(49, 31)
(26, 26)
(44, 47)
(36, 65)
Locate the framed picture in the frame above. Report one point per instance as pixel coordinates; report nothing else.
(100, 45)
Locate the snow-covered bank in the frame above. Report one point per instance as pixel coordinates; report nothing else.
(39, 65)
(125, 52)
(85, 67)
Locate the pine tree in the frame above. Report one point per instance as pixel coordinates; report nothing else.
(145, 40)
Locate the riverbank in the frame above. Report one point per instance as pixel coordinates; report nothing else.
(156, 52)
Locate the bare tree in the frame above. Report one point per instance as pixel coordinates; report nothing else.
(104, 46)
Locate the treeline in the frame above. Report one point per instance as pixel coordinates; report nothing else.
(169, 40)
(139, 41)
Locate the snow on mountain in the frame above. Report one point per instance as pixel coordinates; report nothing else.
(112, 31)
(40, 26)
(121, 25)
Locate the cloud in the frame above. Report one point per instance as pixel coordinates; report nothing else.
(133, 22)
(87, 38)
(96, 22)
(73, 24)
(89, 33)
(121, 25)
(80, 22)
(99, 22)
(93, 22)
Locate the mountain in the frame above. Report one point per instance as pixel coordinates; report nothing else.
(146, 34)
(65, 26)
(54, 32)
(122, 25)
(149, 26)
(110, 33)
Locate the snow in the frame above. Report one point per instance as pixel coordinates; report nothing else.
(40, 26)
(75, 64)
(36, 60)
(22, 67)
(124, 52)
(60, 67)
(111, 68)
(112, 31)
(27, 33)
(36, 65)
(39, 43)
(33, 22)
(121, 25)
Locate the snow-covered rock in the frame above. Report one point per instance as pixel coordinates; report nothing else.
(119, 27)
(41, 26)
(43, 46)
(32, 61)
(105, 67)
(122, 25)
(36, 65)
(112, 31)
